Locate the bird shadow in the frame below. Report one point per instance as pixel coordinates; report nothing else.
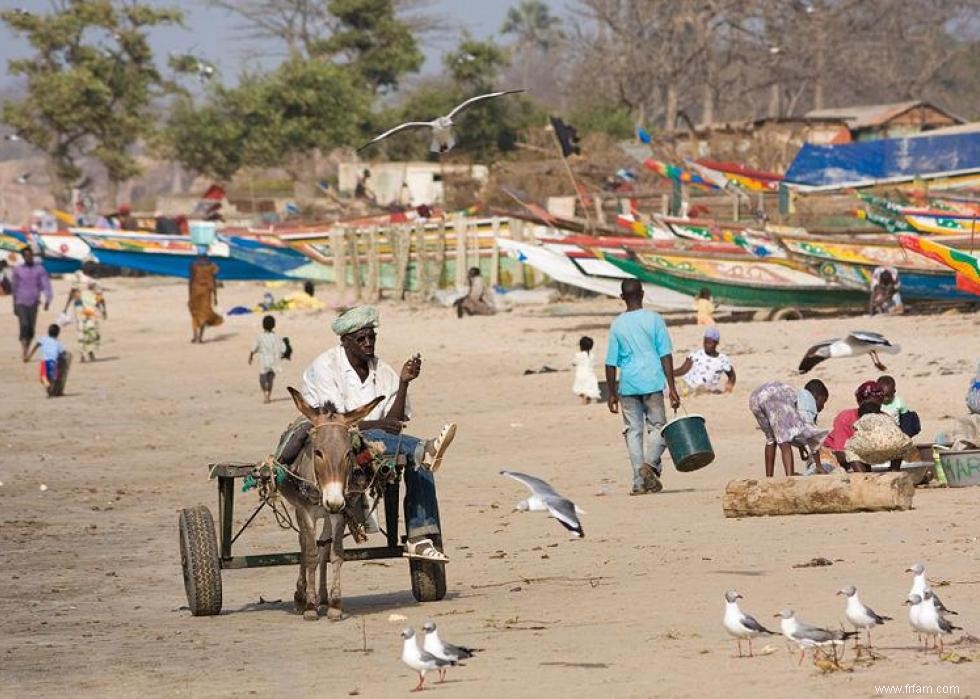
(219, 338)
(677, 490)
(100, 360)
(752, 573)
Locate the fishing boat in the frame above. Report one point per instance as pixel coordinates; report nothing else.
(853, 263)
(60, 253)
(168, 255)
(740, 281)
(274, 256)
(561, 269)
(755, 242)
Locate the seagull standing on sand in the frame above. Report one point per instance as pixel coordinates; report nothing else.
(932, 622)
(545, 499)
(442, 650)
(806, 636)
(915, 606)
(442, 127)
(739, 624)
(861, 616)
(857, 343)
(920, 585)
(419, 660)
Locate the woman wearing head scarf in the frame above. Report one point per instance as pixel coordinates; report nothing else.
(88, 303)
(843, 429)
(203, 293)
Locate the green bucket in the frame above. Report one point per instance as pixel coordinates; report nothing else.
(688, 442)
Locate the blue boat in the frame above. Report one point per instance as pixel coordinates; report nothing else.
(278, 259)
(14, 239)
(169, 256)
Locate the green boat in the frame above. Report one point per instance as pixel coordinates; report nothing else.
(745, 283)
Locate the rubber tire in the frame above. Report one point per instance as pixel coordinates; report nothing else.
(428, 579)
(199, 561)
(787, 314)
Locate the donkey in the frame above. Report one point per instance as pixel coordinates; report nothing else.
(316, 486)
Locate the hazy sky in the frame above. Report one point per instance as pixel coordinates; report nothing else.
(211, 34)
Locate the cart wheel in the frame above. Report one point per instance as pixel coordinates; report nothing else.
(428, 579)
(199, 561)
(787, 314)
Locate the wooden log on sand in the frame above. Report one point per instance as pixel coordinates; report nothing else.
(810, 495)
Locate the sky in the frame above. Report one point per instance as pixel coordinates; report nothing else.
(210, 34)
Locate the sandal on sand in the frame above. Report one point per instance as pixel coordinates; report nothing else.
(436, 449)
(651, 481)
(424, 550)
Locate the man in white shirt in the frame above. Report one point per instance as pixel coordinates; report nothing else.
(350, 375)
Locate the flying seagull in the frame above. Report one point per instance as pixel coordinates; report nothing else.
(23, 178)
(857, 343)
(12, 137)
(806, 636)
(858, 614)
(544, 498)
(739, 624)
(419, 660)
(442, 134)
(442, 650)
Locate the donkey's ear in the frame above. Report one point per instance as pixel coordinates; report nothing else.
(357, 414)
(301, 404)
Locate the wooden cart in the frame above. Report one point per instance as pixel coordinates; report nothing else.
(203, 555)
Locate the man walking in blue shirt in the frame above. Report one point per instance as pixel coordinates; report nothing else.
(640, 348)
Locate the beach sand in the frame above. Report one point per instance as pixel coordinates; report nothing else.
(91, 595)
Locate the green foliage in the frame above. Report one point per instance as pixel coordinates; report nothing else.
(475, 64)
(90, 84)
(372, 41)
(614, 121)
(533, 24)
(302, 105)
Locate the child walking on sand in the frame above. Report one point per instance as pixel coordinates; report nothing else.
(705, 307)
(51, 354)
(271, 349)
(586, 384)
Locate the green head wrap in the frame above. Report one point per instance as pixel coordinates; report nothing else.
(355, 319)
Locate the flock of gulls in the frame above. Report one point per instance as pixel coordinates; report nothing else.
(926, 617)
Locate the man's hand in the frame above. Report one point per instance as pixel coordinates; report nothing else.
(412, 369)
(729, 387)
(613, 403)
(675, 400)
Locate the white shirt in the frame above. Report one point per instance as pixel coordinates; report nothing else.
(269, 348)
(706, 370)
(332, 378)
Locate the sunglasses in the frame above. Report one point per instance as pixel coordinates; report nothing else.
(363, 336)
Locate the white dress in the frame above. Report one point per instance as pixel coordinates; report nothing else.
(586, 384)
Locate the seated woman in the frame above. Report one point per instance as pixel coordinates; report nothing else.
(877, 439)
(843, 427)
(703, 370)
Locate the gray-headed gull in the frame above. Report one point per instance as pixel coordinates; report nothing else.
(856, 343)
(544, 498)
(431, 643)
(739, 624)
(420, 660)
(442, 127)
(920, 585)
(806, 636)
(932, 623)
(860, 615)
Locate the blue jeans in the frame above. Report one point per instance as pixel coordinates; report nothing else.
(644, 416)
(421, 506)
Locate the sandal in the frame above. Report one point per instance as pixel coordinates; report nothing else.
(424, 550)
(431, 461)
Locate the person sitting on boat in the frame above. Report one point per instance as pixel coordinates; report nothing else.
(351, 375)
(702, 370)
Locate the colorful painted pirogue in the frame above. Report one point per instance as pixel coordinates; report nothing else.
(936, 221)
(852, 263)
(749, 282)
(965, 264)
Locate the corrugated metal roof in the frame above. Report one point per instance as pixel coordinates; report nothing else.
(864, 116)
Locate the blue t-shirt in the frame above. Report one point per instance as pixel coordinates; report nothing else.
(637, 341)
(50, 348)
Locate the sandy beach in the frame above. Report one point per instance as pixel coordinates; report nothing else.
(91, 595)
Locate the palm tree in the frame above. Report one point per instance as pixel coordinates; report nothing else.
(535, 28)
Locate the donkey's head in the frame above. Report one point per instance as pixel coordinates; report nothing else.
(328, 447)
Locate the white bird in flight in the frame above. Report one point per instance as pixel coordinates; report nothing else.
(23, 178)
(544, 498)
(442, 127)
(856, 343)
